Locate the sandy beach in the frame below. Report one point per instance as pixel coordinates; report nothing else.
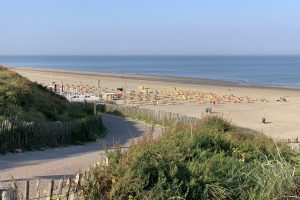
(282, 117)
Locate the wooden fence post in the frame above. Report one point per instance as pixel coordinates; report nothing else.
(38, 189)
(16, 188)
(51, 187)
(68, 188)
(77, 181)
(60, 186)
(26, 192)
(84, 178)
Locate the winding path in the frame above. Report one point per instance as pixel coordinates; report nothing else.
(66, 161)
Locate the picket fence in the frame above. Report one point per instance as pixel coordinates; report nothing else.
(63, 189)
(290, 140)
(153, 116)
(20, 135)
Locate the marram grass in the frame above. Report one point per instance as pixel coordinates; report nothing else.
(214, 160)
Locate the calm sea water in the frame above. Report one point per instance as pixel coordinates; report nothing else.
(250, 70)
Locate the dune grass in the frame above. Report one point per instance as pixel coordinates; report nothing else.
(24, 101)
(214, 160)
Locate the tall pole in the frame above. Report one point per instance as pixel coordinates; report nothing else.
(62, 87)
(99, 88)
(125, 91)
(80, 87)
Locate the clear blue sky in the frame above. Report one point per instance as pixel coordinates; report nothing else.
(149, 27)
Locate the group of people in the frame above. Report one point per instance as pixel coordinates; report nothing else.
(165, 96)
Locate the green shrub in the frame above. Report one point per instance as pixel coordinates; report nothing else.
(20, 99)
(24, 101)
(216, 161)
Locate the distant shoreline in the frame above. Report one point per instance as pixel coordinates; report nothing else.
(253, 71)
(159, 78)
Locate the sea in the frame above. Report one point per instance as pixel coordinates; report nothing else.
(244, 70)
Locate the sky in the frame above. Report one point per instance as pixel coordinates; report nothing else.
(150, 27)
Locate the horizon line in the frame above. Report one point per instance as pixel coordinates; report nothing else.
(150, 55)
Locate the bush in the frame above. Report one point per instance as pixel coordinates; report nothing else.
(20, 99)
(217, 161)
(23, 101)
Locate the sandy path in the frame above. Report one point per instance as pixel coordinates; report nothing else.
(59, 162)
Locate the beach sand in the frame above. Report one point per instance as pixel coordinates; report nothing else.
(282, 117)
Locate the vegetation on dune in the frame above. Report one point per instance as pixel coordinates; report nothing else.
(24, 100)
(50, 116)
(213, 160)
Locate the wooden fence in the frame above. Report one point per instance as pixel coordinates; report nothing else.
(27, 135)
(63, 189)
(148, 115)
(290, 140)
